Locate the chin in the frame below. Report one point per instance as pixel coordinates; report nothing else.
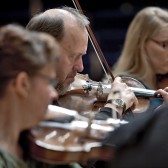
(68, 81)
(62, 89)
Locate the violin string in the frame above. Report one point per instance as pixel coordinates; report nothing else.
(98, 56)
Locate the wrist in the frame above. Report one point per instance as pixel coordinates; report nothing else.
(117, 105)
(109, 113)
(119, 111)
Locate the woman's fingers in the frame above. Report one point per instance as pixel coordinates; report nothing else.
(164, 94)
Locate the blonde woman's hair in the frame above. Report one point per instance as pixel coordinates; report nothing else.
(134, 60)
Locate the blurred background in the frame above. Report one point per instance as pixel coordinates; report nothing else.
(109, 23)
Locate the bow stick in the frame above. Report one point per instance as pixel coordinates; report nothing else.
(95, 44)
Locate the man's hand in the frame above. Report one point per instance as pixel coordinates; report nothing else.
(120, 90)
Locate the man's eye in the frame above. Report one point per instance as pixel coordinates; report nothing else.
(163, 44)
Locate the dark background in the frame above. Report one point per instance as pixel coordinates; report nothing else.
(109, 22)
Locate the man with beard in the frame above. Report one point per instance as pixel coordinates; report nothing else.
(69, 27)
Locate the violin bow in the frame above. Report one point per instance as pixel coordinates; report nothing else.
(95, 44)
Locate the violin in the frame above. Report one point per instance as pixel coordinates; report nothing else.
(85, 94)
(77, 141)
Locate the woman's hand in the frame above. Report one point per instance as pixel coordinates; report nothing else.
(164, 94)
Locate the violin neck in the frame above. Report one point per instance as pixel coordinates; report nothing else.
(102, 90)
(140, 92)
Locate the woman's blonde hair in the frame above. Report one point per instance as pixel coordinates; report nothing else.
(134, 60)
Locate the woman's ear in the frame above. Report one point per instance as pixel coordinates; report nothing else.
(22, 84)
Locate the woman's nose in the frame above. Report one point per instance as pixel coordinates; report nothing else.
(53, 94)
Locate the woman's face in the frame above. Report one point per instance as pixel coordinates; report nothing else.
(42, 93)
(157, 51)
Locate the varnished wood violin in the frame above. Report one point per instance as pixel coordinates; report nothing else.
(77, 141)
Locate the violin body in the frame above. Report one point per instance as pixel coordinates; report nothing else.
(58, 143)
(77, 141)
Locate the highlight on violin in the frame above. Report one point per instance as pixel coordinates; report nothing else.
(78, 140)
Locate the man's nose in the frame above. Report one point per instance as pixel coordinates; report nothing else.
(79, 65)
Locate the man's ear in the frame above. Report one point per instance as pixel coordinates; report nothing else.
(22, 84)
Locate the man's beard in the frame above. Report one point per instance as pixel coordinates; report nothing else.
(61, 88)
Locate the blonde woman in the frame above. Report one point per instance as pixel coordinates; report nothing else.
(145, 51)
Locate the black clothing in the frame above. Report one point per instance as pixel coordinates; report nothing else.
(143, 143)
(107, 112)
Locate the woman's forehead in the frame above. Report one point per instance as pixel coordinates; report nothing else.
(162, 33)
